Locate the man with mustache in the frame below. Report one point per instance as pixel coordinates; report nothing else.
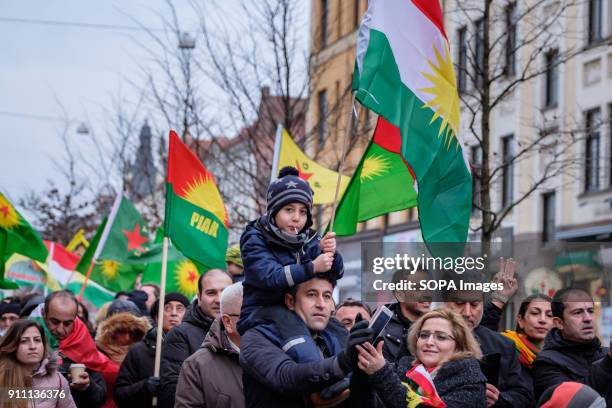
(572, 351)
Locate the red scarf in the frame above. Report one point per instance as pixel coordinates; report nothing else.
(81, 348)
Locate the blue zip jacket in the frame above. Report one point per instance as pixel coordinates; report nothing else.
(272, 266)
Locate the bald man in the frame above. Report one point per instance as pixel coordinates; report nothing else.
(186, 338)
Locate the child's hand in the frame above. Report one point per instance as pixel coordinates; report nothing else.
(328, 243)
(323, 263)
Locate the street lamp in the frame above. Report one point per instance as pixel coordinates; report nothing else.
(186, 41)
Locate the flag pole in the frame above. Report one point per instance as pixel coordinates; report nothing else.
(348, 129)
(276, 158)
(86, 279)
(160, 312)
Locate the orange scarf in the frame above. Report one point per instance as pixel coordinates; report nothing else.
(526, 349)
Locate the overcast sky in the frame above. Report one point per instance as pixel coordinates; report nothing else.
(83, 68)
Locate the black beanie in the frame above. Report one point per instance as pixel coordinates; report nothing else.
(10, 308)
(169, 297)
(286, 189)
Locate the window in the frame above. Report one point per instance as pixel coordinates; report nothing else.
(548, 217)
(356, 13)
(551, 91)
(322, 128)
(462, 59)
(595, 20)
(591, 157)
(324, 22)
(479, 52)
(475, 163)
(511, 21)
(507, 180)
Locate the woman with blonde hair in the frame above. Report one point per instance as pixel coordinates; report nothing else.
(28, 372)
(444, 371)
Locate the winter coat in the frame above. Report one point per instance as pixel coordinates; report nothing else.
(138, 365)
(459, 383)
(181, 342)
(47, 379)
(395, 333)
(514, 391)
(95, 395)
(561, 360)
(271, 266)
(272, 379)
(211, 377)
(138, 326)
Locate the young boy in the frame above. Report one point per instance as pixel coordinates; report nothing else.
(279, 251)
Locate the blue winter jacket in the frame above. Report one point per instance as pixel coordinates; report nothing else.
(272, 266)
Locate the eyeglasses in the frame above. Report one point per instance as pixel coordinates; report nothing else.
(438, 336)
(232, 314)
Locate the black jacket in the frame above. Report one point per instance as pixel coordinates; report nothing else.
(94, 396)
(396, 331)
(459, 383)
(272, 379)
(561, 360)
(139, 364)
(514, 391)
(181, 342)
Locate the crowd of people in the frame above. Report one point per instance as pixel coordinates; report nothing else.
(267, 333)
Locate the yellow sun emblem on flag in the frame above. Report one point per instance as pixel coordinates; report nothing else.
(9, 217)
(445, 102)
(202, 192)
(110, 269)
(373, 166)
(186, 276)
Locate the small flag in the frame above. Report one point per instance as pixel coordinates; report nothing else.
(17, 236)
(321, 179)
(382, 183)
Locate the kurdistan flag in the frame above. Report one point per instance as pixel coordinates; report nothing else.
(116, 248)
(196, 219)
(321, 179)
(17, 236)
(404, 72)
(381, 171)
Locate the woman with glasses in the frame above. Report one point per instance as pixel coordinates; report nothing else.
(444, 372)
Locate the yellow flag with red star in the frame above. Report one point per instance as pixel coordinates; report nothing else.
(321, 179)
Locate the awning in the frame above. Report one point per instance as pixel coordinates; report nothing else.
(583, 232)
(578, 262)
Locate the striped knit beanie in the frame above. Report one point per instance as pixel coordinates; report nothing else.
(286, 189)
(571, 395)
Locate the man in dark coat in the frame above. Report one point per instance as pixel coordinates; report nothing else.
(186, 338)
(571, 351)
(272, 379)
(511, 389)
(135, 385)
(212, 376)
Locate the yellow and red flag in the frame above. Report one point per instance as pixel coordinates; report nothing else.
(196, 219)
(321, 179)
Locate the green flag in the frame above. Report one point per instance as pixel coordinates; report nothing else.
(382, 183)
(182, 273)
(17, 236)
(412, 86)
(116, 248)
(196, 218)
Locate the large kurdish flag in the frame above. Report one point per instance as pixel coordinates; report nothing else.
(17, 236)
(404, 73)
(196, 219)
(382, 182)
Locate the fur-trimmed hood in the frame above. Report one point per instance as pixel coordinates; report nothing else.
(138, 326)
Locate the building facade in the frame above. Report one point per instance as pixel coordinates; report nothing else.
(559, 222)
